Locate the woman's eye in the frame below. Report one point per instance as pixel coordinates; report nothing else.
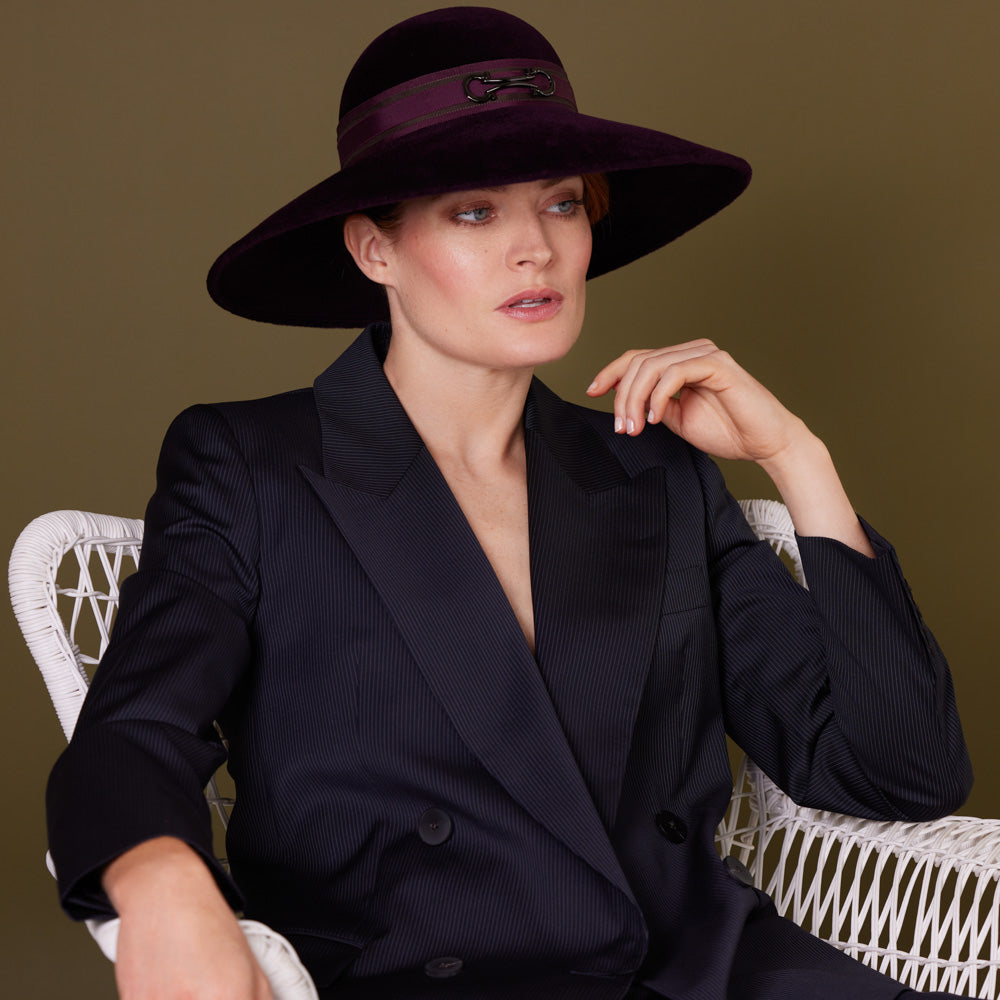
(567, 207)
(480, 214)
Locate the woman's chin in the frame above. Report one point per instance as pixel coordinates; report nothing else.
(536, 345)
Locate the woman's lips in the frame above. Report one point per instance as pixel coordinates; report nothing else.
(533, 305)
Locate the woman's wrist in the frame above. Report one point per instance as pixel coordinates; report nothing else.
(804, 474)
(157, 868)
(802, 457)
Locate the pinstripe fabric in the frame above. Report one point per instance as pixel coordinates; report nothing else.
(308, 579)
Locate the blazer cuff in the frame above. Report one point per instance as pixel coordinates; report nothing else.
(834, 571)
(107, 794)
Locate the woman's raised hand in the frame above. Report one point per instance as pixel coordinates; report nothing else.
(703, 395)
(178, 936)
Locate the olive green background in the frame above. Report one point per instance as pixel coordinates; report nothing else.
(857, 277)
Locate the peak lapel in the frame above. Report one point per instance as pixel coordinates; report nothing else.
(598, 553)
(395, 510)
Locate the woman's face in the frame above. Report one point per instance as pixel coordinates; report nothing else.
(493, 277)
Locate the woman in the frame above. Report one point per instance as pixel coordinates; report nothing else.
(475, 649)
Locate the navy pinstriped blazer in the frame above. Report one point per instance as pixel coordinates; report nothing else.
(422, 803)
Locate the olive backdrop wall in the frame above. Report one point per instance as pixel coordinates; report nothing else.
(856, 277)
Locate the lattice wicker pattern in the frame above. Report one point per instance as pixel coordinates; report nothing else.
(105, 549)
(919, 902)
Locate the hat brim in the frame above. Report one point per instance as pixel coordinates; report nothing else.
(294, 268)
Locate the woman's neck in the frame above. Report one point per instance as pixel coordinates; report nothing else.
(469, 416)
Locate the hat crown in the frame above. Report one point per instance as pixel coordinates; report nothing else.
(439, 40)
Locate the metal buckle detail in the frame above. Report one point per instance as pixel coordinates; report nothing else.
(493, 84)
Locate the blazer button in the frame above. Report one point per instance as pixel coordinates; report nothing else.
(738, 870)
(672, 827)
(434, 827)
(443, 968)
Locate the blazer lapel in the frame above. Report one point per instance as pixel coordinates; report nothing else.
(598, 554)
(395, 510)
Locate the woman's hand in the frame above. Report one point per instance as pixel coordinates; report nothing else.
(178, 936)
(704, 396)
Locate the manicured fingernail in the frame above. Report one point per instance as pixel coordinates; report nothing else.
(631, 425)
(592, 386)
(651, 417)
(619, 425)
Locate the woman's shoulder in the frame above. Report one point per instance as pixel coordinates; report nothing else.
(292, 407)
(284, 425)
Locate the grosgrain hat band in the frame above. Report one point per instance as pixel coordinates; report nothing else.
(446, 95)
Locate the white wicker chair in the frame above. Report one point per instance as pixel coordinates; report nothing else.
(57, 616)
(920, 902)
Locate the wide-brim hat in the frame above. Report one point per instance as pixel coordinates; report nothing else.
(460, 98)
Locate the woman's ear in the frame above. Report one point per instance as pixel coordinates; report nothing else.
(367, 244)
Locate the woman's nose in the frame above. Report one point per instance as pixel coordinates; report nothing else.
(529, 244)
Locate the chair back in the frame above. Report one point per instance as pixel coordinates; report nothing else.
(66, 607)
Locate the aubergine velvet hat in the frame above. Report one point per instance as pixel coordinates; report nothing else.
(460, 98)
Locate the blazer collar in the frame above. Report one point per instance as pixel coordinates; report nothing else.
(369, 442)
(595, 612)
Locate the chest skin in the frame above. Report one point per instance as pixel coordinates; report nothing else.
(495, 503)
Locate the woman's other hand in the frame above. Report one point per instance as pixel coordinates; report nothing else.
(704, 396)
(178, 936)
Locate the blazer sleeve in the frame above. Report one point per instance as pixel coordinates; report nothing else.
(839, 693)
(145, 743)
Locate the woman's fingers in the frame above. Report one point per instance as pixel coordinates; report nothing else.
(644, 380)
(609, 377)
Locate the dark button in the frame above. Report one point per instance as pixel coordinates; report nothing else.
(434, 826)
(672, 827)
(443, 968)
(738, 870)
